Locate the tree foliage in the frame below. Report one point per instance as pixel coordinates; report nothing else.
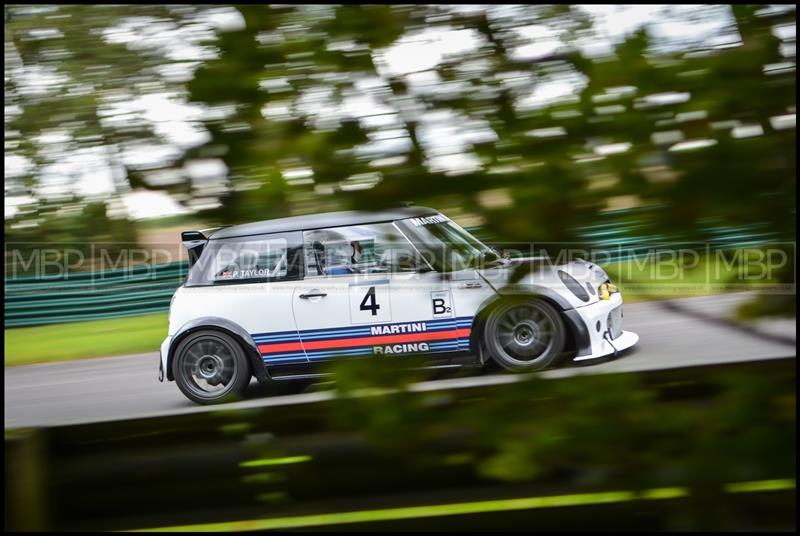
(308, 110)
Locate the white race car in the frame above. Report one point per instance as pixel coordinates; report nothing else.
(275, 299)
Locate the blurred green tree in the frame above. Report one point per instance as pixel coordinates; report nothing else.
(516, 126)
(69, 69)
(551, 158)
(278, 71)
(695, 136)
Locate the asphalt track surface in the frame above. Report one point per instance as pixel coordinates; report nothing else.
(677, 333)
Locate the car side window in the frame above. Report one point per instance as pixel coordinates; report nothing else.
(244, 259)
(359, 249)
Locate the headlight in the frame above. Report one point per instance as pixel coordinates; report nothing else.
(606, 290)
(572, 284)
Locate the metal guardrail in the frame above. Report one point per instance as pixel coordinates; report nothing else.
(92, 295)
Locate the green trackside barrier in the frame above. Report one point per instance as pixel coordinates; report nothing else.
(75, 297)
(79, 296)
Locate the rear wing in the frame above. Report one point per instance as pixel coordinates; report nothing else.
(195, 242)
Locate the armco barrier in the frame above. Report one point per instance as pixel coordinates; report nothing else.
(92, 295)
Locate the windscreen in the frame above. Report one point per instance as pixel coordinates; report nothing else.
(445, 244)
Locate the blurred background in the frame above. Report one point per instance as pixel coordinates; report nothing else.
(616, 128)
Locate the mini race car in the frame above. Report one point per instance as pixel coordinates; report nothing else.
(275, 299)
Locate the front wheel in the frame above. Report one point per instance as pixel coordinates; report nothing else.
(524, 336)
(210, 367)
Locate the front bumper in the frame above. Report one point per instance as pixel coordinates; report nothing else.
(162, 358)
(603, 320)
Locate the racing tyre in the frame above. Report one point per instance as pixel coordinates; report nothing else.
(524, 336)
(210, 367)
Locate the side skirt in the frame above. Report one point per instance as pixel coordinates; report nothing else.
(304, 371)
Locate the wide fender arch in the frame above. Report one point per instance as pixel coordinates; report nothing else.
(578, 329)
(227, 326)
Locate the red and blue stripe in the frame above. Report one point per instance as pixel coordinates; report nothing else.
(286, 347)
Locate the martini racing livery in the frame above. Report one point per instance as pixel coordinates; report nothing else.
(275, 299)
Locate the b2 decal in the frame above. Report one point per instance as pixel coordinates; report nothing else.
(441, 304)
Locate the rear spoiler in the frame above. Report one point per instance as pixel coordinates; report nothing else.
(195, 242)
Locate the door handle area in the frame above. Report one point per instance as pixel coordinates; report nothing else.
(313, 295)
(470, 285)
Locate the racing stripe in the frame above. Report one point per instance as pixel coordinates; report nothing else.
(421, 336)
(368, 332)
(284, 360)
(435, 347)
(443, 335)
(275, 336)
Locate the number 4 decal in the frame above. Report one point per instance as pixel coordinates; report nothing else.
(370, 302)
(372, 305)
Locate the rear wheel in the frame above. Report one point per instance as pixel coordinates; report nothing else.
(524, 336)
(210, 367)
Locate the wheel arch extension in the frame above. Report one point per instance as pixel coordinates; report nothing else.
(577, 332)
(224, 325)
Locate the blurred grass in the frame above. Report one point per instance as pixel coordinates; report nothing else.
(650, 279)
(638, 281)
(78, 340)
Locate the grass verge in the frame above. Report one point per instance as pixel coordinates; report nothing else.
(96, 338)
